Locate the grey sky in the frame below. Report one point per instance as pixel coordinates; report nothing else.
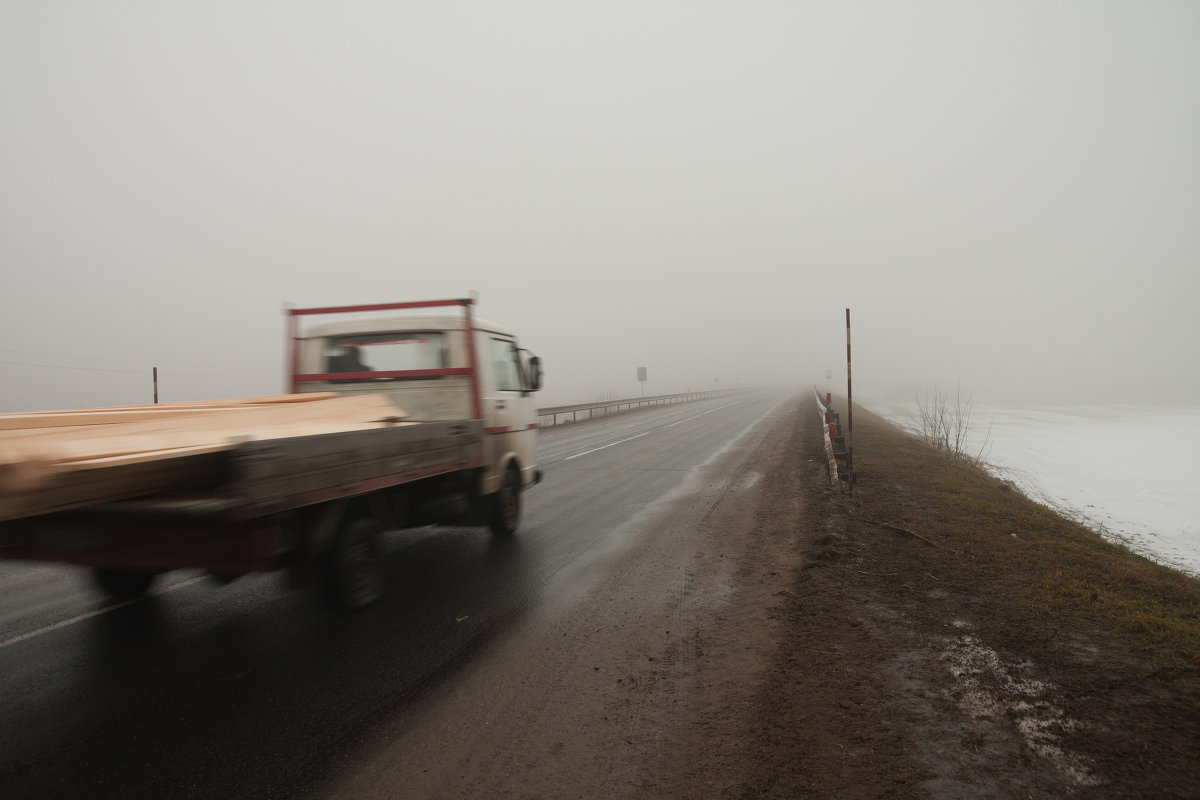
(1005, 194)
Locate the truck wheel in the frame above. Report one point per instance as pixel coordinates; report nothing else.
(506, 504)
(354, 568)
(124, 584)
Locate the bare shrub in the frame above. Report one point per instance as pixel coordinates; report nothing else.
(945, 424)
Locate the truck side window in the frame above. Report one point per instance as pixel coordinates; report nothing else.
(507, 366)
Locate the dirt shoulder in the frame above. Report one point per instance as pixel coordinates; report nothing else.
(977, 646)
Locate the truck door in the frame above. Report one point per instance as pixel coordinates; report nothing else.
(509, 410)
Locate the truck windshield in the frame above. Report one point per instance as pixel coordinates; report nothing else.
(386, 352)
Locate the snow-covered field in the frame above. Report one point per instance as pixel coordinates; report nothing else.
(1130, 472)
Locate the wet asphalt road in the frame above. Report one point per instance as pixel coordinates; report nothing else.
(251, 690)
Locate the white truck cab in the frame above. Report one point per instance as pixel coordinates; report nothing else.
(443, 366)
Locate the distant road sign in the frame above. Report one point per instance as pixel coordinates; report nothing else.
(642, 374)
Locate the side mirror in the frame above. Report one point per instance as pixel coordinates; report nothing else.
(535, 373)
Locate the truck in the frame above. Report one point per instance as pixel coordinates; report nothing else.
(459, 449)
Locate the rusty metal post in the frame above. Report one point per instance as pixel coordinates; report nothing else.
(291, 351)
(849, 412)
(156, 386)
(473, 357)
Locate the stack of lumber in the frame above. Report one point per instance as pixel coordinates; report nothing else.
(55, 460)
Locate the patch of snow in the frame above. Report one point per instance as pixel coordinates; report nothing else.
(986, 688)
(749, 481)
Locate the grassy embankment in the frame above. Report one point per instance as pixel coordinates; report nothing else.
(1059, 572)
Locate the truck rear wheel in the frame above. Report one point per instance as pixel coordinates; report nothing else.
(506, 504)
(354, 566)
(124, 584)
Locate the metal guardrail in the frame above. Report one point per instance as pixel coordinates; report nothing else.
(614, 406)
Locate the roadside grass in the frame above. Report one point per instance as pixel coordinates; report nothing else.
(1054, 569)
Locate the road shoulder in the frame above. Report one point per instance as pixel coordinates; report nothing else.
(949, 664)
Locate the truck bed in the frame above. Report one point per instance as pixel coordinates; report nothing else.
(232, 522)
(274, 475)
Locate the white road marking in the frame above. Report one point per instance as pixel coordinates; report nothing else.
(605, 447)
(64, 623)
(647, 433)
(698, 416)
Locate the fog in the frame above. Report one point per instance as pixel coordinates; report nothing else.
(1006, 195)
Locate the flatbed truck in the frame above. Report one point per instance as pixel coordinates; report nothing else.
(317, 505)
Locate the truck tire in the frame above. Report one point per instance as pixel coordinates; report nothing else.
(354, 566)
(124, 584)
(506, 504)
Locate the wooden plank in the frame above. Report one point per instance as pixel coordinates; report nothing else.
(300, 397)
(32, 420)
(217, 425)
(34, 465)
(62, 491)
